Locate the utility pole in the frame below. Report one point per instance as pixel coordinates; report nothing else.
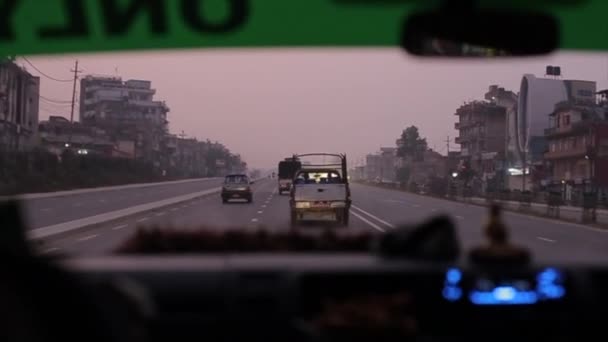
(447, 142)
(76, 71)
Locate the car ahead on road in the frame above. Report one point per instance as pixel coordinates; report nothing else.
(237, 187)
(321, 191)
(287, 171)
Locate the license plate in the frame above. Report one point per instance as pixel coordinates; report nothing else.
(320, 205)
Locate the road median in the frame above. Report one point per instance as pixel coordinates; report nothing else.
(70, 226)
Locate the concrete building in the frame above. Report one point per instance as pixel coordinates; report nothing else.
(382, 166)
(537, 99)
(127, 111)
(19, 105)
(482, 136)
(578, 148)
(83, 139)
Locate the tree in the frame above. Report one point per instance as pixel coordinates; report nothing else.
(412, 145)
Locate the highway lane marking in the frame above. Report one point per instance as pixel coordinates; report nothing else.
(254, 220)
(545, 239)
(89, 237)
(373, 225)
(434, 209)
(390, 225)
(260, 212)
(50, 250)
(102, 201)
(120, 227)
(160, 214)
(143, 219)
(264, 206)
(561, 223)
(459, 217)
(174, 209)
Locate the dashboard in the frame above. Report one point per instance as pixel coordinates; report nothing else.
(350, 297)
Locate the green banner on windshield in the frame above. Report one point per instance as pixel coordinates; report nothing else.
(35, 26)
(56, 26)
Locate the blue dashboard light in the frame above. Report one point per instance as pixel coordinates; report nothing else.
(503, 295)
(452, 293)
(551, 291)
(548, 276)
(453, 276)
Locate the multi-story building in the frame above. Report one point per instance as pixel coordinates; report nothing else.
(482, 135)
(537, 99)
(578, 148)
(127, 111)
(19, 101)
(381, 166)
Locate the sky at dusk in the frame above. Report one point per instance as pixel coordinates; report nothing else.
(269, 104)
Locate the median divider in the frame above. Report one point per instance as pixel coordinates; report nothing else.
(99, 189)
(70, 226)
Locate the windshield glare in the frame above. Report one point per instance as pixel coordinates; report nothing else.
(422, 137)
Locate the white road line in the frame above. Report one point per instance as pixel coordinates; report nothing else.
(434, 209)
(545, 239)
(89, 237)
(390, 225)
(254, 220)
(143, 219)
(174, 209)
(50, 250)
(264, 206)
(561, 223)
(102, 201)
(260, 212)
(459, 217)
(120, 227)
(160, 214)
(371, 224)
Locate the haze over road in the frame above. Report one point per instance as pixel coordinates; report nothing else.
(374, 209)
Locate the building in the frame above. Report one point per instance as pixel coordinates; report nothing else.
(537, 99)
(58, 135)
(432, 165)
(482, 136)
(127, 111)
(382, 166)
(577, 148)
(19, 105)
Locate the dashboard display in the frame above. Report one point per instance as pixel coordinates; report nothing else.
(545, 285)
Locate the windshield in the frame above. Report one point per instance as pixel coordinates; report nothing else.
(103, 144)
(236, 180)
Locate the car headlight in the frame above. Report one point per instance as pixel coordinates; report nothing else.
(302, 205)
(338, 204)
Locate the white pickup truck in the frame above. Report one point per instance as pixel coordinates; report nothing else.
(320, 191)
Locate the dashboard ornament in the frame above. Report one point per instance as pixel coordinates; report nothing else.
(498, 250)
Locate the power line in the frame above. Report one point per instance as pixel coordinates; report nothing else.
(44, 74)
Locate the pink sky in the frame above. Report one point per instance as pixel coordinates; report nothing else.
(268, 104)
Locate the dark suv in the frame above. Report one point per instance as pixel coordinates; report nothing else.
(237, 186)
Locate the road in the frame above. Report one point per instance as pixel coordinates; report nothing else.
(52, 210)
(374, 209)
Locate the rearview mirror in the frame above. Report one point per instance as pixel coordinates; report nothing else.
(479, 33)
